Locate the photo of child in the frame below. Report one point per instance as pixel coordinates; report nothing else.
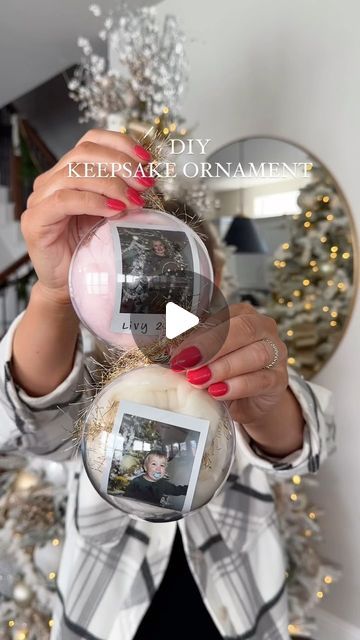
(154, 456)
(152, 486)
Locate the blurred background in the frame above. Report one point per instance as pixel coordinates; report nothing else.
(265, 82)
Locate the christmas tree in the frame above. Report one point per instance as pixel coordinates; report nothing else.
(312, 276)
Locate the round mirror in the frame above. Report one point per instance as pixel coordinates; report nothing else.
(291, 239)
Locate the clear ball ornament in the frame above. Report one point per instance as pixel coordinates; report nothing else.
(127, 268)
(155, 447)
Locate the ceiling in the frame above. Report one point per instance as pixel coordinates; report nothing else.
(38, 39)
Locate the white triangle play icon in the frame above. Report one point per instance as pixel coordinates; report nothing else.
(178, 320)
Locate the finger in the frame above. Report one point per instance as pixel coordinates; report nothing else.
(112, 187)
(118, 144)
(246, 360)
(57, 208)
(249, 385)
(242, 330)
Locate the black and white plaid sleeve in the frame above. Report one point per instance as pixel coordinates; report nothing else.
(39, 425)
(319, 433)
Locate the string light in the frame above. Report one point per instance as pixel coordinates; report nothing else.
(52, 575)
(297, 293)
(290, 304)
(326, 309)
(306, 282)
(308, 306)
(290, 333)
(165, 131)
(315, 269)
(51, 623)
(307, 533)
(282, 264)
(291, 360)
(334, 314)
(157, 120)
(183, 132)
(320, 594)
(326, 199)
(11, 624)
(333, 256)
(330, 217)
(55, 542)
(330, 283)
(334, 249)
(309, 166)
(292, 628)
(307, 224)
(173, 126)
(165, 109)
(308, 214)
(323, 239)
(312, 515)
(328, 580)
(346, 255)
(312, 263)
(296, 479)
(281, 300)
(333, 323)
(294, 497)
(285, 245)
(122, 130)
(341, 285)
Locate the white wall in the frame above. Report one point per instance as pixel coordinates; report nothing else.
(291, 69)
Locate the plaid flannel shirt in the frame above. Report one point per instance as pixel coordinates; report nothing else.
(112, 565)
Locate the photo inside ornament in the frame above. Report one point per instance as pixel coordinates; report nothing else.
(126, 269)
(155, 447)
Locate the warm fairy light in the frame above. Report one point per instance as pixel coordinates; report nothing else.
(308, 306)
(52, 575)
(11, 623)
(312, 263)
(309, 166)
(289, 304)
(297, 293)
(346, 255)
(293, 497)
(333, 256)
(307, 533)
(122, 130)
(296, 479)
(315, 269)
(285, 245)
(333, 323)
(341, 285)
(165, 131)
(51, 623)
(291, 360)
(326, 199)
(55, 542)
(308, 214)
(320, 594)
(328, 580)
(323, 239)
(165, 109)
(183, 132)
(290, 333)
(281, 300)
(326, 309)
(330, 217)
(292, 628)
(172, 126)
(157, 120)
(307, 224)
(306, 282)
(334, 314)
(334, 249)
(276, 263)
(21, 635)
(282, 263)
(312, 515)
(330, 283)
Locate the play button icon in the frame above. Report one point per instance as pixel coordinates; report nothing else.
(178, 320)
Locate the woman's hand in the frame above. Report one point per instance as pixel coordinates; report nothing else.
(258, 397)
(62, 209)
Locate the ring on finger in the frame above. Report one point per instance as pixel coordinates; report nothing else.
(276, 354)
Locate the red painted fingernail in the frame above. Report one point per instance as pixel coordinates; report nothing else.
(135, 197)
(199, 376)
(186, 359)
(145, 181)
(142, 153)
(118, 205)
(218, 389)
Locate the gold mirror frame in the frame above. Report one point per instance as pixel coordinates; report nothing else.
(352, 228)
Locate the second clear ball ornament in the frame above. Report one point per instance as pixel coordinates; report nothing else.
(155, 447)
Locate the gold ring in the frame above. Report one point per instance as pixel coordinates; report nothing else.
(276, 351)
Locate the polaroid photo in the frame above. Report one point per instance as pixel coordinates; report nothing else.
(154, 265)
(154, 456)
